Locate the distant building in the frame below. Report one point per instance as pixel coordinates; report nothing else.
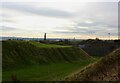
(45, 36)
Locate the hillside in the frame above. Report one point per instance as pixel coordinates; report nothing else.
(34, 61)
(106, 69)
(23, 52)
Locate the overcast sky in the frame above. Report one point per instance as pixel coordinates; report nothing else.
(59, 19)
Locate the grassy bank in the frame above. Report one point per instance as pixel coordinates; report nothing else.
(28, 60)
(105, 69)
(48, 72)
(16, 53)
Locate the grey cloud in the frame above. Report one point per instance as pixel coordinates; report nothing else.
(6, 28)
(103, 15)
(97, 25)
(88, 24)
(8, 20)
(93, 29)
(68, 32)
(4, 15)
(39, 11)
(87, 32)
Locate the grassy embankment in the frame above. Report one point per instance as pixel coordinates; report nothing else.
(105, 69)
(36, 61)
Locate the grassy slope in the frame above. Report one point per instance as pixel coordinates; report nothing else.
(55, 71)
(47, 45)
(32, 58)
(22, 52)
(105, 69)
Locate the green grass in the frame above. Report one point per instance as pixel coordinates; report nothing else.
(23, 52)
(29, 60)
(49, 72)
(97, 57)
(48, 45)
